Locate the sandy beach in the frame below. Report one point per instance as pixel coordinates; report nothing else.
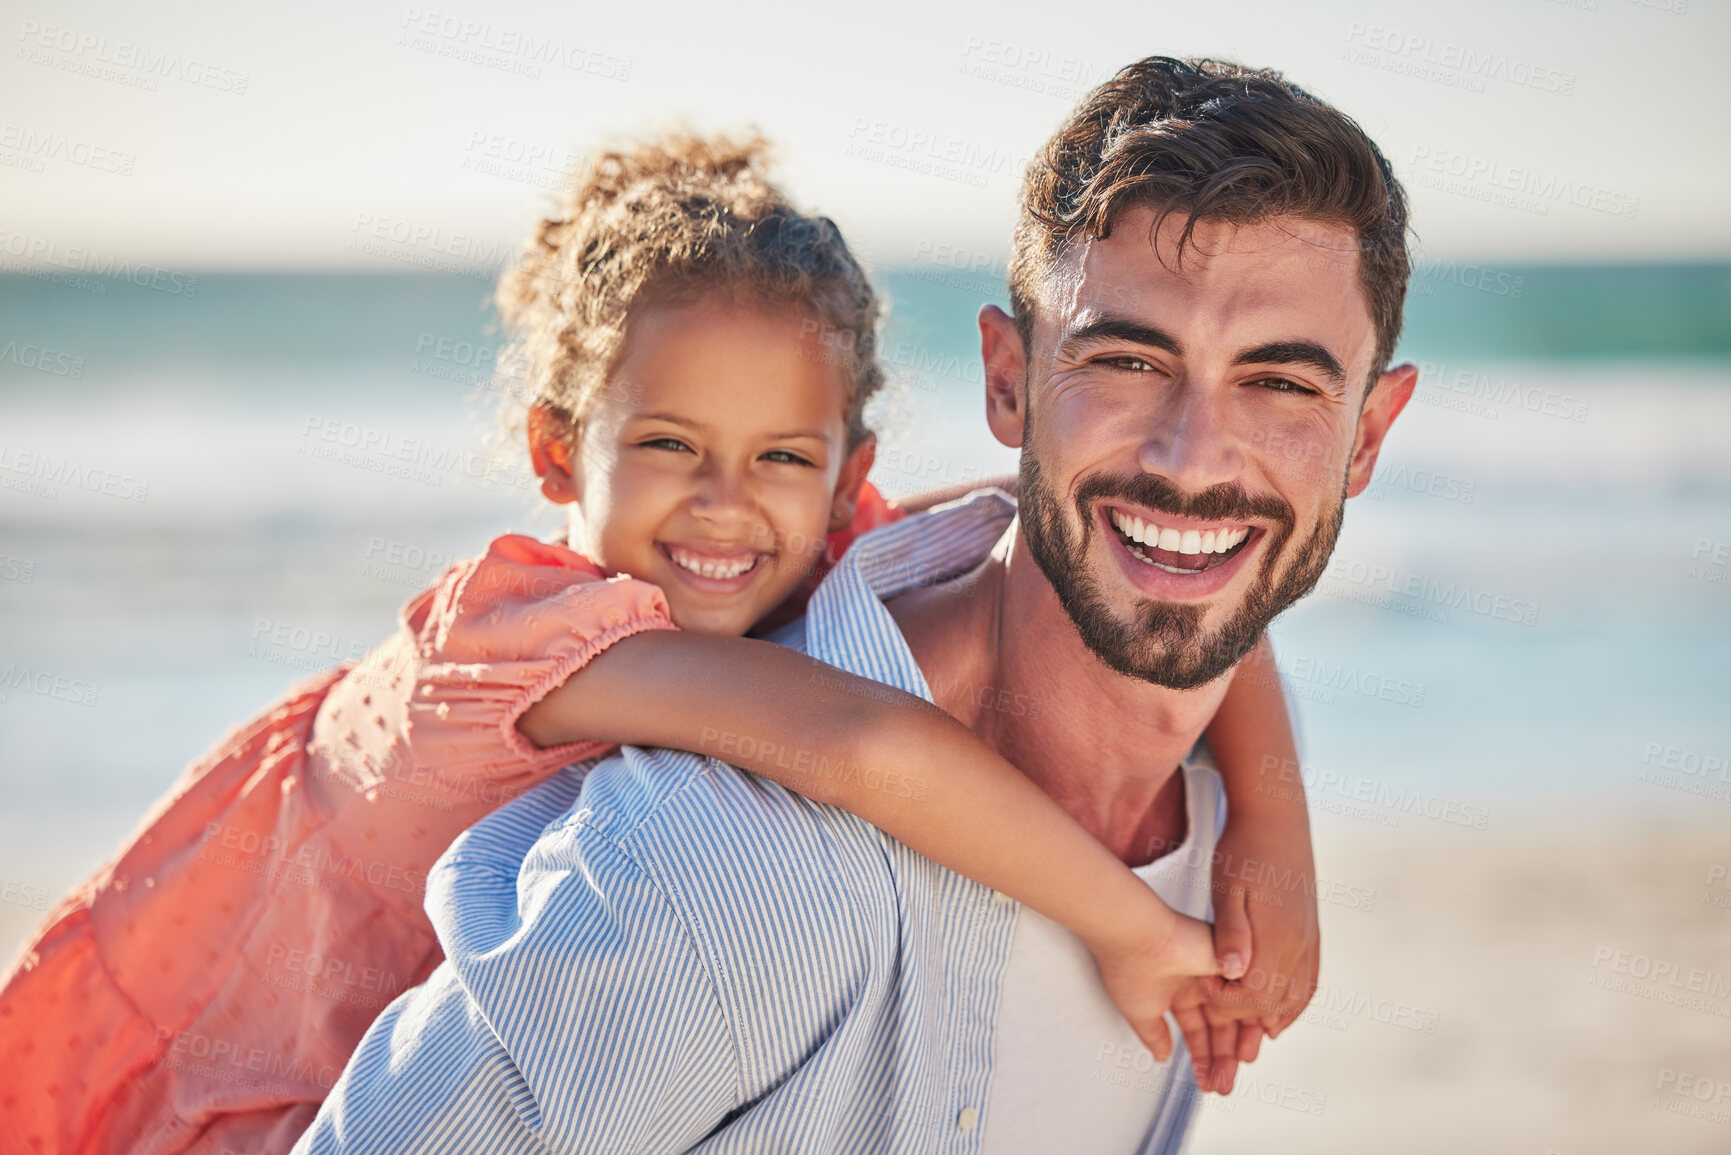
(1493, 999)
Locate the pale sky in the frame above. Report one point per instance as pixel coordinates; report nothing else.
(213, 135)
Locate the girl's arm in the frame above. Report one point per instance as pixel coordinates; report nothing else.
(1264, 871)
(901, 764)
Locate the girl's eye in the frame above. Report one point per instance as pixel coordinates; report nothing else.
(785, 457)
(672, 443)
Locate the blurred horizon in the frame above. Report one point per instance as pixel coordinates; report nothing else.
(1672, 311)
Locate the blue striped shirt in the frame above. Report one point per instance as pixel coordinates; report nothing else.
(666, 953)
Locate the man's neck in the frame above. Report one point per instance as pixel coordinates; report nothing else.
(1002, 656)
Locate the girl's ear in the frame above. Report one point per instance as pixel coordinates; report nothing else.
(550, 452)
(848, 483)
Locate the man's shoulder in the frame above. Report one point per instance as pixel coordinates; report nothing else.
(789, 907)
(654, 943)
(703, 828)
(733, 856)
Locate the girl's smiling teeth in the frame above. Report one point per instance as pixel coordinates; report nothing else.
(1180, 551)
(720, 567)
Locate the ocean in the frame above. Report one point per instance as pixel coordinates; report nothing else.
(213, 486)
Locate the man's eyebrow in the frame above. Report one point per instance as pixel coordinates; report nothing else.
(1294, 353)
(1110, 328)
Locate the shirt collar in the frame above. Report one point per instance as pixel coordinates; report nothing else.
(846, 623)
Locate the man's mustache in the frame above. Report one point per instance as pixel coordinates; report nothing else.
(1228, 501)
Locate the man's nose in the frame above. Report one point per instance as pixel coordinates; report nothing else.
(1190, 439)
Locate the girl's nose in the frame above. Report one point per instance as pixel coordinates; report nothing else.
(723, 497)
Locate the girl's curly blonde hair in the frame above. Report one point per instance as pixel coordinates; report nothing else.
(669, 220)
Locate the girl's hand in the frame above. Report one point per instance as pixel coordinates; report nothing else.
(1217, 1042)
(1158, 954)
(1265, 912)
(1264, 876)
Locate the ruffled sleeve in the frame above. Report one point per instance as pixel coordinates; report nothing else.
(420, 740)
(439, 704)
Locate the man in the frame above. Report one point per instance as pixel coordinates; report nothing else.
(1206, 290)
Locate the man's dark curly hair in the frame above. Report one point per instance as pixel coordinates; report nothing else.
(1215, 141)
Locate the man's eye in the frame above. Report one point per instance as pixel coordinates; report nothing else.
(785, 457)
(1283, 385)
(1128, 364)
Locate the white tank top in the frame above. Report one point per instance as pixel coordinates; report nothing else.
(1068, 1073)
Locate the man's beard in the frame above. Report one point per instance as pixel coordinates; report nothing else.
(1165, 643)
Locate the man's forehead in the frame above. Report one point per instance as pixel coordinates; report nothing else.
(1285, 271)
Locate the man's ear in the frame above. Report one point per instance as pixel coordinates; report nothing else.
(848, 482)
(1387, 398)
(1006, 363)
(550, 452)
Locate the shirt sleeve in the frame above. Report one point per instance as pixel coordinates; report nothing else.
(574, 1014)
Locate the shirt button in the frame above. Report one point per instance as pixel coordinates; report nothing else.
(968, 1118)
(999, 896)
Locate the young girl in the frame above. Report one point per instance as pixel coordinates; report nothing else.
(701, 354)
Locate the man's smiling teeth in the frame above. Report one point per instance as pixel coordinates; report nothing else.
(709, 567)
(1193, 541)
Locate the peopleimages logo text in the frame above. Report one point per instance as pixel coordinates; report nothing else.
(1542, 186)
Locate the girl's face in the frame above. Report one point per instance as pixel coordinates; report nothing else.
(715, 462)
